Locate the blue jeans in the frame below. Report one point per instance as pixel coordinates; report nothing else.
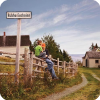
(42, 55)
(50, 67)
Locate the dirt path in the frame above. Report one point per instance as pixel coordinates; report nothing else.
(98, 80)
(96, 77)
(67, 91)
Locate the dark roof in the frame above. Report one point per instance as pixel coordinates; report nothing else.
(11, 40)
(83, 57)
(94, 49)
(1, 40)
(93, 54)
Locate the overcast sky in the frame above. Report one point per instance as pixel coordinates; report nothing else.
(75, 24)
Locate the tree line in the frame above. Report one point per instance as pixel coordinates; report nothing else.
(93, 47)
(53, 48)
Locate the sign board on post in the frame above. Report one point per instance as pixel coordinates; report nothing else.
(19, 16)
(22, 15)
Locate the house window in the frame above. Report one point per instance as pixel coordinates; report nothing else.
(1, 54)
(96, 61)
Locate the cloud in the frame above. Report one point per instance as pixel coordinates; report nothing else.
(74, 42)
(64, 8)
(59, 18)
(85, 6)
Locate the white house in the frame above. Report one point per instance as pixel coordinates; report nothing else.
(8, 44)
(91, 59)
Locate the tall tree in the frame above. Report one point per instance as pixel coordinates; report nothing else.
(96, 46)
(92, 47)
(31, 46)
(66, 56)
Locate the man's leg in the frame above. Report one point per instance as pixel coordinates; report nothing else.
(50, 67)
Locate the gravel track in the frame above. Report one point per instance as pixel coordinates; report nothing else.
(67, 91)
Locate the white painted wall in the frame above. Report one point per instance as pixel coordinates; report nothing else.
(93, 64)
(12, 49)
(83, 61)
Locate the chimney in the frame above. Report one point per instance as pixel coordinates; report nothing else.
(4, 34)
(4, 38)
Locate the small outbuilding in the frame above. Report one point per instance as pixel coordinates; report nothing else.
(91, 59)
(8, 44)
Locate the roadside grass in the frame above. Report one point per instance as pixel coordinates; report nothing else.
(90, 70)
(91, 91)
(38, 89)
(9, 68)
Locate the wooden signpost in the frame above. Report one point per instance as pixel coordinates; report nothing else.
(19, 16)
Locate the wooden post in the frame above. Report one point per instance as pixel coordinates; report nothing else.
(76, 67)
(73, 70)
(26, 66)
(58, 65)
(69, 69)
(50, 57)
(31, 67)
(17, 51)
(64, 67)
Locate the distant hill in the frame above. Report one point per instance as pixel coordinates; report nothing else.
(76, 57)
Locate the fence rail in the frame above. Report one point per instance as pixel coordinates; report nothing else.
(34, 66)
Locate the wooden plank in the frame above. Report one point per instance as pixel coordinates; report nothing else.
(53, 59)
(10, 63)
(37, 58)
(38, 71)
(31, 67)
(36, 76)
(50, 57)
(70, 68)
(38, 65)
(64, 67)
(60, 61)
(7, 63)
(58, 65)
(73, 71)
(55, 65)
(12, 74)
(10, 53)
(7, 53)
(69, 72)
(26, 66)
(7, 74)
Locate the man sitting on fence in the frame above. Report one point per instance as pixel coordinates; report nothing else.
(49, 63)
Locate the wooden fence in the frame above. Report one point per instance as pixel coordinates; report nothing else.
(34, 66)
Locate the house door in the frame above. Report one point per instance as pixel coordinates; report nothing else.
(86, 62)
